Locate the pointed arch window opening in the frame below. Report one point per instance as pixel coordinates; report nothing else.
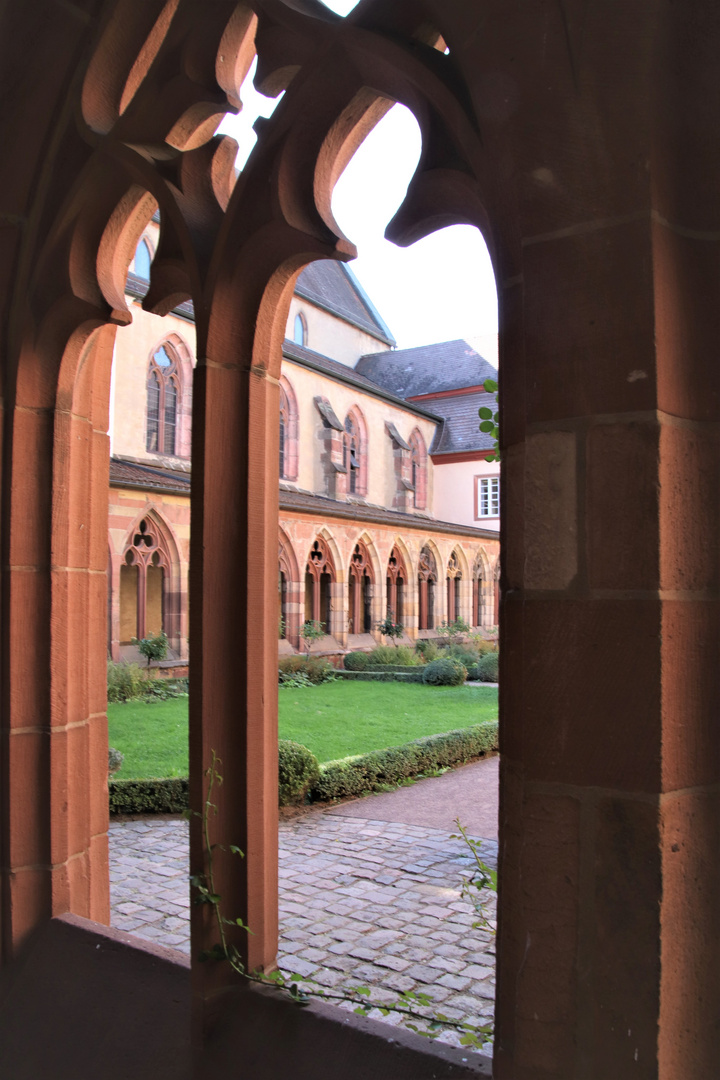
(453, 579)
(284, 423)
(395, 585)
(319, 576)
(300, 335)
(427, 579)
(141, 261)
(351, 455)
(162, 402)
(144, 581)
(477, 596)
(361, 579)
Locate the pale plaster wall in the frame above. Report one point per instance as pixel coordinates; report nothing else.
(455, 492)
(381, 470)
(331, 336)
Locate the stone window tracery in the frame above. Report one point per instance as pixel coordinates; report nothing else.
(143, 583)
(163, 394)
(427, 578)
(319, 576)
(453, 579)
(395, 585)
(361, 578)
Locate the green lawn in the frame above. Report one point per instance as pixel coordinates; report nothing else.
(334, 720)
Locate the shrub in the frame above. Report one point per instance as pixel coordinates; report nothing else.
(444, 672)
(148, 796)
(397, 656)
(483, 646)
(124, 681)
(375, 771)
(317, 668)
(427, 650)
(115, 760)
(487, 667)
(357, 661)
(466, 654)
(295, 680)
(298, 770)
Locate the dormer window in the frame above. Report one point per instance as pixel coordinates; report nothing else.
(300, 330)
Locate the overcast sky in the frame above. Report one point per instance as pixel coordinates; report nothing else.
(440, 288)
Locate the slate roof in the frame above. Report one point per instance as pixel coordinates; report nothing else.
(130, 474)
(460, 431)
(318, 362)
(305, 502)
(333, 286)
(427, 369)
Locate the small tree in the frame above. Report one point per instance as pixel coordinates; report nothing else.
(389, 628)
(154, 647)
(454, 630)
(311, 630)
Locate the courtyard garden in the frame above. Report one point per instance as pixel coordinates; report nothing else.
(333, 719)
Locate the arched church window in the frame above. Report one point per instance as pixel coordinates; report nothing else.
(300, 330)
(141, 261)
(319, 576)
(284, 421)
(361, 577)
(163, 391)
(427, 578)
(418, 462)
(351, 458)
(143, 584)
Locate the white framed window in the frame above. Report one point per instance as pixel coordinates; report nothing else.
(487, 496)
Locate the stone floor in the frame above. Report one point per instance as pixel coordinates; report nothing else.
(362, 902)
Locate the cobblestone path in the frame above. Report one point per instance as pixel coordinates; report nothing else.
(362, 902)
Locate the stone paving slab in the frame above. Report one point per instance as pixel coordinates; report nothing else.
(362, 902)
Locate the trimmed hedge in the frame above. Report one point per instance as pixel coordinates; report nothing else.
(169, 796)
(370, 772)
(379, 675)
(337, 779)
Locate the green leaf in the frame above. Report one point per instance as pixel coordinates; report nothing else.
(360, 1010)
(364, 990)
(485, 413)
(490, 386)
(236, 851)
(488, 426)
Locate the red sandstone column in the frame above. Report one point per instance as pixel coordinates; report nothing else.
(54, 735)
(608, 943)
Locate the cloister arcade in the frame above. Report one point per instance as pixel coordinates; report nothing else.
(582, 140)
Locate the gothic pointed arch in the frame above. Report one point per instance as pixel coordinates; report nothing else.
(149, 589)
(320, 574)
(396, 585)
(453, 580)
(289, 590)
(164, 393)
(361, 578)
(427, 585)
